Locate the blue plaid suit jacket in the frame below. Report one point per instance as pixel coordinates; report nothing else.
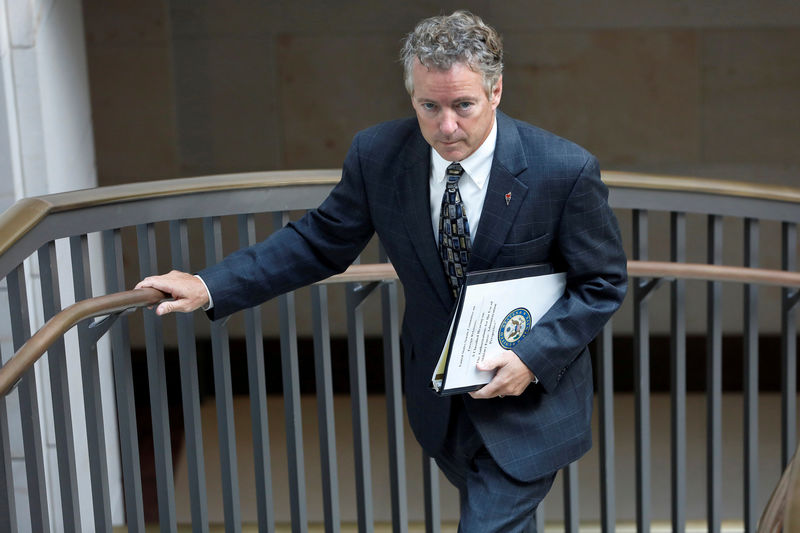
(558, 213)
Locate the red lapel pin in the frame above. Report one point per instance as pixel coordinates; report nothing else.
(508, 198)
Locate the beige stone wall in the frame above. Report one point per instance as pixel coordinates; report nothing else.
(703, 88)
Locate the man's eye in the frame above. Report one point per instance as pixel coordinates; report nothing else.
(427, 106)
(463, 106)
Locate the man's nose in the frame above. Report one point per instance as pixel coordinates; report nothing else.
(448, 124)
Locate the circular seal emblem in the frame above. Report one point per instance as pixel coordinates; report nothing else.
(514, 327)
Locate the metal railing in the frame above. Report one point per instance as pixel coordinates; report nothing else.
(175, 210)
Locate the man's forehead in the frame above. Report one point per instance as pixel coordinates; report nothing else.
(458, 78)
(418, 64)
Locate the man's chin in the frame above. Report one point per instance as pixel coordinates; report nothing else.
(452, 152)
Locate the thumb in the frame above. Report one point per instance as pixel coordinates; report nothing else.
(165, 307)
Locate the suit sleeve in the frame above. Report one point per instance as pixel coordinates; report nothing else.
(590, 245)
(322, 243)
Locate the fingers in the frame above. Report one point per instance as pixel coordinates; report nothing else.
(511, 379)
(152, 282)
(486, 392)
(173, 306)
(187, 291)
(164, 282)
(164, 308)
(492, 363)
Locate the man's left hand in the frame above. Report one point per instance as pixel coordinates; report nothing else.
(511, 379)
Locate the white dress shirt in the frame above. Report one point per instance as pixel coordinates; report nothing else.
(472, 184)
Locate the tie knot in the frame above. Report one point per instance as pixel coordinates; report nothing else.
(453, 173)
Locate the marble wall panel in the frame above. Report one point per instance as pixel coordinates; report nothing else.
(629, 96)
(133, 113)
(744, 13)
(751, 85)
(226, 106)
(333, 86)
(125, 23)
(347, 16)
(514, 15)
(222, 18)
(132, 97)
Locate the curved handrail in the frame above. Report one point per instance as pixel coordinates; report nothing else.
(704, 272)
(25, 214)
(639, 269)
(62, 322)
(34, 348)
(761, 191)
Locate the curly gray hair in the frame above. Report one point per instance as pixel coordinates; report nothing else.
(440, 42)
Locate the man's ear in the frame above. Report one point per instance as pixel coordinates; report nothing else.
(497, 92)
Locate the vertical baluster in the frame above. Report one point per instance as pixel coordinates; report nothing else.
(571, 502)
(394, 404)
(358, 396)
(750, 380)
(190, 389)
(123, 388)
(90, 374)
(605, 394)
(28, 405)
(714, 381)
(678, 374)
(258, 395)
(788, 346)
(291, 398)
(59, 385)
(430, 480)
(157, 381)
(327, 428)
(223, 392)
(8, 505)
(641, 366)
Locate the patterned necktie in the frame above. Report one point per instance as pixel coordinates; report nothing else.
(454, 241)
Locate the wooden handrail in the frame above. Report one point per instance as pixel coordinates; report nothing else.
(57, 326)
(639, 269)
(761, 191)
(27, 213)
(34, 348)
(703, 272)
(21, 217)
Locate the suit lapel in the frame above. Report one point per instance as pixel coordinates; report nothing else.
(413, 195)
(498, 215)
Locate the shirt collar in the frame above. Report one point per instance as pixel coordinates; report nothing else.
(480, 158)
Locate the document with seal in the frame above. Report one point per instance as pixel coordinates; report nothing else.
(496, 309)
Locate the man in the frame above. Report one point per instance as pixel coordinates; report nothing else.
(518, 195)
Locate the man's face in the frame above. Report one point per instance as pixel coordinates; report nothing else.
(453, 111)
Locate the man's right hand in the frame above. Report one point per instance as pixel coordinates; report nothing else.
(188, 291)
